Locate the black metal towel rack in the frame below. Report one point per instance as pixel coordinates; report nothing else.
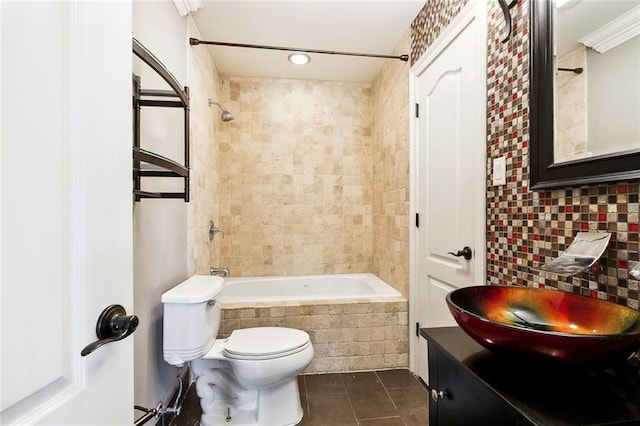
(160, 166)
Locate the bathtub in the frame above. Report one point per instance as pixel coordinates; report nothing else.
(356, 322)
(303, 288)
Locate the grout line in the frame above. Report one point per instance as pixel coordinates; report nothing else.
(387, 392)
(353, 411)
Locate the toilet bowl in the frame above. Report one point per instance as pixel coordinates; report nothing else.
(249, 378)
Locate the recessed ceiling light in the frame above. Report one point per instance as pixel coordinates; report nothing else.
(299, 58)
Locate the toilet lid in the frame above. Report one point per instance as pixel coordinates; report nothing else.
(265, 342)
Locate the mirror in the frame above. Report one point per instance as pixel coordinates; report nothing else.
(598, 138)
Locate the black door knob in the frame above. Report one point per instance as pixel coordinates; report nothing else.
(465, 252)
(113, 324)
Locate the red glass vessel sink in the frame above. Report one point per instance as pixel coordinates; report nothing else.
(545, 323)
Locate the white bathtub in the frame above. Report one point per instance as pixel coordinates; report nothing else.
(356, 322)
(302, 288)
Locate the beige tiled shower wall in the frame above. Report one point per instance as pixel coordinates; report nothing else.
(295, 175)
(203, 84)
(353, 336)
(570, 139)
(390, 112)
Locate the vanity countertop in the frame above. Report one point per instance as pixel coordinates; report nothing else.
(543, 393)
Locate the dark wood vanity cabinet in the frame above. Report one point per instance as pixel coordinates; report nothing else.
(459, 398)
(472, 386)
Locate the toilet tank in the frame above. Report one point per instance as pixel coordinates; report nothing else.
(191, 318)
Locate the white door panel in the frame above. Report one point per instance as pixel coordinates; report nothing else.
(66, 210)
(447, 190)
(438, 314)
(449, 175)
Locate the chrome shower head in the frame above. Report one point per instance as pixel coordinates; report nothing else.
(225, 115)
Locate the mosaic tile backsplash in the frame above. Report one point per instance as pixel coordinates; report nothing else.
(524, 227)
(431, 20)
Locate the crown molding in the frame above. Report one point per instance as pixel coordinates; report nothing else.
(185, 7)
(615, 32)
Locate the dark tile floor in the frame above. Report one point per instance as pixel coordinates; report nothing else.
(383, 398)
(376, 398)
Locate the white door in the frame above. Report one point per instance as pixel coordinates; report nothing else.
(66, 213)
(449, 87)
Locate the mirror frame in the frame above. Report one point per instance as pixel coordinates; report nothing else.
(543, 173)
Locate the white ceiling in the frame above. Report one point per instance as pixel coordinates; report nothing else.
(580, 18)
(352, 26)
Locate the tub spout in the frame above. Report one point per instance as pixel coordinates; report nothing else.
(219, 271)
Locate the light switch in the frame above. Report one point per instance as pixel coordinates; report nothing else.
(499, 171)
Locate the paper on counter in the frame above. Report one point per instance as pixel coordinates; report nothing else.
(584, 251)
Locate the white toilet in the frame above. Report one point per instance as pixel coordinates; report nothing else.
(250, 378)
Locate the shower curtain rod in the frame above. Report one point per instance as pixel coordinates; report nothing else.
(195, 42)
(575, 70)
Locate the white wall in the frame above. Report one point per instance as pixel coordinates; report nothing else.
(613, 98)
(170, 236)
(160, 226)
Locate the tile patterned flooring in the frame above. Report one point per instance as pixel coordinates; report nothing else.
(376, 398)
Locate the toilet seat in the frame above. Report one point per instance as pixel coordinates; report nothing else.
(261, 343)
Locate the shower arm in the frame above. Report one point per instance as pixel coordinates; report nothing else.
(574, 70)
(217, 104)
(195, 42)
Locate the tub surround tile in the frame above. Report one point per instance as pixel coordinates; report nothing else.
(316, 174)
(570, 139)
(204, 82)
(296, 172)
(390, 170)
(352, 336)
